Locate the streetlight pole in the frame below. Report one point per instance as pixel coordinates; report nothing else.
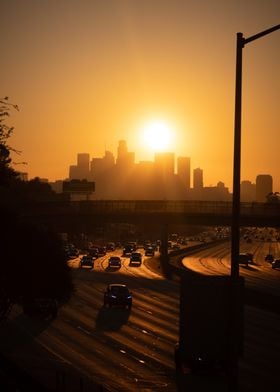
(235, 241)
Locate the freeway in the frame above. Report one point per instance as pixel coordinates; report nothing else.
(133, 351)
(259, 365)
(124, 351)
(258, 275)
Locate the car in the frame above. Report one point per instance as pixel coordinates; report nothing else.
(135, 258)
(245, 258)
(149, 251)
(269, 257)
(127, 250)
(111, 246)
(114, 261)
(275, 263)
(86, 260)
(70, 251)
(93, 252)
(175, 247)
(117, 295)
(133, 244)
(102, 250)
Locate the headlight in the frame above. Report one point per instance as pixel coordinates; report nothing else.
(113, 296)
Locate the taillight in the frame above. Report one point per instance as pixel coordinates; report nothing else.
(186, 368)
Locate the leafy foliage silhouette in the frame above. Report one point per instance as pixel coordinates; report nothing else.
(33, 262)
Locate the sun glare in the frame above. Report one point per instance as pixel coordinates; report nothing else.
(157, 136)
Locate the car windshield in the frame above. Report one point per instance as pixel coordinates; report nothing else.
(119, 289)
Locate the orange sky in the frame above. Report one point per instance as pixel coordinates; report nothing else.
(87, 73)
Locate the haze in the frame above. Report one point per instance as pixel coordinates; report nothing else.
(87, 74)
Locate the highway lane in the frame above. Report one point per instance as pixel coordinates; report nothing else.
(259, 365)
(259, 275)
(126, 351)
(134, 351)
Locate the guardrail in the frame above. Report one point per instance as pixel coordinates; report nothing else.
(219, 213)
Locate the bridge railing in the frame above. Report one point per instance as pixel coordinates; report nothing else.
(154, 206)
(107, 207)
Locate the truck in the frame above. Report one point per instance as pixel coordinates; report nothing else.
(206, 326)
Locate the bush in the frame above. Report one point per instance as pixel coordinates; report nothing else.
(33, 263)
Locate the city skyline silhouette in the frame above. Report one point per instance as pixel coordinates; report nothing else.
(85, 75)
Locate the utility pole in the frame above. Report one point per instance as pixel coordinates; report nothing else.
(236, 304)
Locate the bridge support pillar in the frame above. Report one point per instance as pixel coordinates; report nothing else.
(164, 257)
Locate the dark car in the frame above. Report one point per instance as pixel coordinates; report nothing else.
(86, 261)
(269, 257)
(135, 258)
(73, 252)
(275, 263)
(111, 246)
(70, 251)
(245, 258)
(93, 252)
(127, 250)
(40, 307)
(115, 261)
(175, 247)
(149, 251)
(133, 244)
(118, 295)
(102, 250)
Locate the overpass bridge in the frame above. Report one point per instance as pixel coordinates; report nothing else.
(87, 214)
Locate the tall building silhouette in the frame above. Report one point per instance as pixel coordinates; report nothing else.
(125, 159)
(81, 170)
(83, 161)
(247, 191)
(99, 166)
(122, 152)
(184, 171)
(198, 178)
(123, 179)
(109, 160)
(165, 164)
(263, 186)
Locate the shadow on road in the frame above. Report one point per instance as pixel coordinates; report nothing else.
(22, 331)
(112, 319)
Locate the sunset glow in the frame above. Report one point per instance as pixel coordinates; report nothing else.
(158, 74)
(157, 136)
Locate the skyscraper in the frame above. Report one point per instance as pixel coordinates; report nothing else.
(247, 191)
(81, 170)
(184, 171)
(198, 178)
(125, 159)
(263, 186)
(165, 163)
(83, 161)
(122, 152)
(99, 166)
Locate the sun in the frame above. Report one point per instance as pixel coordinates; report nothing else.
(157, 136)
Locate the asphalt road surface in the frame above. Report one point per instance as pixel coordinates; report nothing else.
(122, 350)
(134, 351)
